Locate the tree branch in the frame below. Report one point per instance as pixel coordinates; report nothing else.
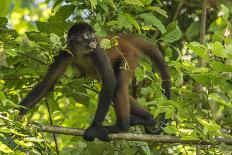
(135, 137)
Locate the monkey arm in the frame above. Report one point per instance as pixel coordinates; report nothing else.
(106, 95)
(56, 69)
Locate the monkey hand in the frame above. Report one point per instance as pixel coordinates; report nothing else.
(99, 132)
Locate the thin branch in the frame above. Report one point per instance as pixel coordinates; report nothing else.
(135, 137)
(181, 3)
(50, 119)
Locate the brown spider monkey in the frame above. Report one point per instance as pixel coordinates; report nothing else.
(107, 67)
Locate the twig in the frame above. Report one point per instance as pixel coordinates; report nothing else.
(50, 119)
(182, 2)
(135, 137)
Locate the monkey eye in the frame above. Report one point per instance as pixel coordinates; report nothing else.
(88, 35)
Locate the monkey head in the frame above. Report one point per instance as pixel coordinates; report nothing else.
(81, 38)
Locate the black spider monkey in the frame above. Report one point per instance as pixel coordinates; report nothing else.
(107, 67)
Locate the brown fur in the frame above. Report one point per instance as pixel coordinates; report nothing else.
(115, 69)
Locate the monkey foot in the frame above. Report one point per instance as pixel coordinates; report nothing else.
(98, 132)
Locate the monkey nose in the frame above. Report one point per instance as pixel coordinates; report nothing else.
(93, 44)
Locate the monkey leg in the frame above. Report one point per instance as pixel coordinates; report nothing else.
(140, 115)
(121, 103)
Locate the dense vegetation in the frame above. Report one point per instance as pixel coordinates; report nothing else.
(33, 31)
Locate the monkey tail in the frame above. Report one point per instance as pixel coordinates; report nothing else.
(157, 58)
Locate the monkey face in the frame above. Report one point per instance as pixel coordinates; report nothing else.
(82, 42)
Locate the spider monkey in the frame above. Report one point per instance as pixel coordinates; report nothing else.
(108, 68)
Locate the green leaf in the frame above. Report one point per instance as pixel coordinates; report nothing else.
(33, 139)
(217, 49)
(173, 33)
(202, 78)
(105, 44)
(216, 97)
(170, 129)
(121, 22)
(57, 24)
(2, 96)
(3, 21)
(220, 67)
(132, 21)
(4, 148)
(146, 2)
(209, 125)
(224, 11)
(198, 49)
(11, 52)
(4, 7)
(64, 12)
(151, 19)
(134, 2)
(55, 39)
(158, 10)
(93, 3)
(190, 137)
(23, 144)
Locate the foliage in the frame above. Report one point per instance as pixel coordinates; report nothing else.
(33, 33)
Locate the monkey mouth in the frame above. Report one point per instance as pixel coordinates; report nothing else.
(93, 44)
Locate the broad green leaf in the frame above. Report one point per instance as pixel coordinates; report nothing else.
(170, 129)
(228, 50)
(134, 2)
(198, 49)
(158, 10)
(217, 48)
(224, 11)
(220, 67)
(64, 12)
(202, 78)
(151, 19)
(105, 43)
(57, 24)
(4, 148)
(172, 34)
(132, 21)
(209, 125)
(55, 39)
(218, 25)
(139, 72)
(121, 22)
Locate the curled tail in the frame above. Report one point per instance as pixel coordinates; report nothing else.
(156, 56)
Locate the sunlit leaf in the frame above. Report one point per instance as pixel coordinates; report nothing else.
(172, 34)
(132, 21)
(151, 19)
(4, 148)
(134, 2)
